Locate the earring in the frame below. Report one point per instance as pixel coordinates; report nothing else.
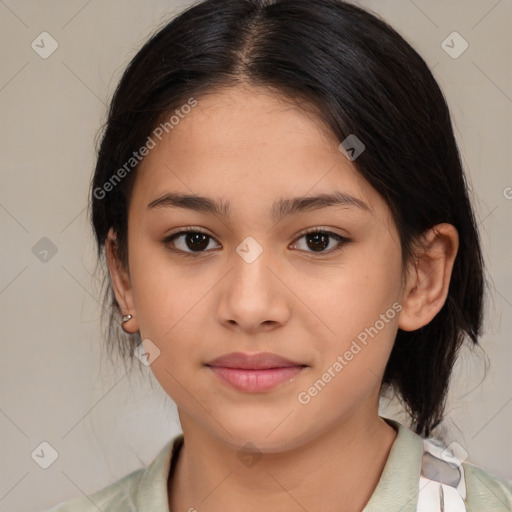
(126, 318)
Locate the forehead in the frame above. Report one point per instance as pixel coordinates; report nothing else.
(249, 119)
(248, 143)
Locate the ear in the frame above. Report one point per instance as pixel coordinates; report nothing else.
(428, 277)
(121, 283)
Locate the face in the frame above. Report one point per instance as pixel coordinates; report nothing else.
(249, 278)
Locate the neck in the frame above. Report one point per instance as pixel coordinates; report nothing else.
(341, 466)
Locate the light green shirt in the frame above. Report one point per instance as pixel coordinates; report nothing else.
(145, 489)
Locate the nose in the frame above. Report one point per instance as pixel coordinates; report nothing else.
(252, 297)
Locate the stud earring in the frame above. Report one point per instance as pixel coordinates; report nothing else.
(126, 318)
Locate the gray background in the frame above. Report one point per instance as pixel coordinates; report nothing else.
(55, 382)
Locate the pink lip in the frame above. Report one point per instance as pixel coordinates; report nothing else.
(254, 381)
(254, 372)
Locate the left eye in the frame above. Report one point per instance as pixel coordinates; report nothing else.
(197, 241)
(319, 240)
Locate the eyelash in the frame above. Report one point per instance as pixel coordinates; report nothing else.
(170, 238)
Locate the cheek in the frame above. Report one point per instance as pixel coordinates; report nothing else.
(354, 295)
(360, 306)
(171, 299)
(157, 291)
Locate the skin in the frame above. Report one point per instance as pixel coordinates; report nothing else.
(250, 147)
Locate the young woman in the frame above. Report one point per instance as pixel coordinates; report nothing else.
(281, 204)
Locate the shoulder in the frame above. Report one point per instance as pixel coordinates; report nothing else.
(142, 489)
(486, 491)
(119, 495)
(434, 461)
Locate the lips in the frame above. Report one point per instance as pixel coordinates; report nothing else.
(254, 373)
(260, 361)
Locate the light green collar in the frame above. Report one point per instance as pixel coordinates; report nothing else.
(396, 490)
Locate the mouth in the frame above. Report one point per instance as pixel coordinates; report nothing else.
(254, 373)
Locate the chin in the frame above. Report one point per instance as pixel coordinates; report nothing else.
(268, 436)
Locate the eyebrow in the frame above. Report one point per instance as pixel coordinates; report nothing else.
(280, 209)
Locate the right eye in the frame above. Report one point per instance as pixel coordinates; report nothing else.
(188, 241)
